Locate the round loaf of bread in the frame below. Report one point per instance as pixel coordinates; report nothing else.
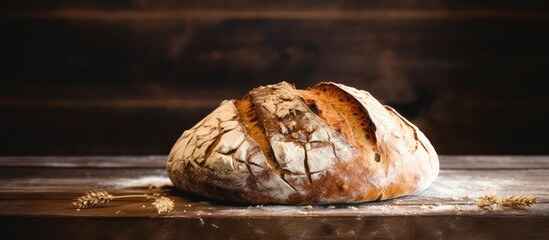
(329, 144)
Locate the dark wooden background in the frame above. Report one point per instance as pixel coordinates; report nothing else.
(128, 76)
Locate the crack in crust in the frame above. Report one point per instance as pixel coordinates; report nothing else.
(284, 112)
(210, 148)
(414, 128)
(306, 165)
(253, 125)
(283, 145)
(291, 123)
(342, 112)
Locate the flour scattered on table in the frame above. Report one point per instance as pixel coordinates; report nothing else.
(471, 188)
(146, 181)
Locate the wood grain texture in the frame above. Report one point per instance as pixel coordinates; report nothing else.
(399, 15)
(36, 196)
(282, 4)
(462, 71)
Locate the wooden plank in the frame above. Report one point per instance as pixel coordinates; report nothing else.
(84, 161)
(453, 193)
(454, 162)
(364, 227)
(468, 162)
(38, 199)
(398, 15)
(107, 131)
(453, 186)
(219, 53)
(461, 71)
(104, 131)
(192, 209)
(85, 130)
(282, 4)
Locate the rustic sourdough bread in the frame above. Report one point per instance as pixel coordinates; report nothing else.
(327, 144)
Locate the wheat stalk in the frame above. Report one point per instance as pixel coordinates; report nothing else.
(93, 199)
(101, 198)
(519, 202)
(488, 202)
(163, 205)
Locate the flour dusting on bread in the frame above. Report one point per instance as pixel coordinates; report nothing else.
(327, 144)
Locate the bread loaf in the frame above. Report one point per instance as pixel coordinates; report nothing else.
(328, 144)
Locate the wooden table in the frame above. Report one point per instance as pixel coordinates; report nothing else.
(36, 192)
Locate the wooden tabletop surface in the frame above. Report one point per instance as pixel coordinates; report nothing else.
(36, 195)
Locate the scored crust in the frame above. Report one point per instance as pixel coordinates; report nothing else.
(327, 144)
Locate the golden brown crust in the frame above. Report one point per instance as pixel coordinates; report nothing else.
(327, 144)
